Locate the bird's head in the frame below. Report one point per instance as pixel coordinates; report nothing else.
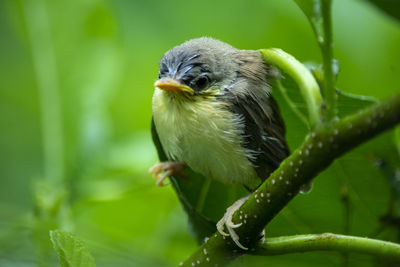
(198, 67)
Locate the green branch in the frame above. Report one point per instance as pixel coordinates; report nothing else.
(44, 63)
(326, 45)
(317, 152)
(299, 73)
(327, 241)
(319, 15)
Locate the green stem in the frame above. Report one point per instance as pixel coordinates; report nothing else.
(327, 241)
(345, 199)
(318, 151)
(49, 195)
(44, 62)
(299, 73)
(326, 45)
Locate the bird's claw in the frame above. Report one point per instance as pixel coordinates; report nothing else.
(227, 222)
(163, 170)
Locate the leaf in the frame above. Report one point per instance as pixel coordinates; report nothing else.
(348, 103)
(390, 7)
(307, 6)
(291, 94)
(312, 10)
(397, 139)
(71, 251)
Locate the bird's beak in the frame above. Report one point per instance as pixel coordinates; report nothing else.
(169, 84)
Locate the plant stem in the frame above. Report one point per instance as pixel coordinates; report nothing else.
(299, 73)
(345, 199)
(44, 62)
(327, 241)
(326, 45)
(48, 195)
(318, 151)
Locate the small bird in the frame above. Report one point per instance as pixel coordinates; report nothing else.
(213, 112)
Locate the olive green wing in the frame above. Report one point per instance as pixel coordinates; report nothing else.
(264, 131)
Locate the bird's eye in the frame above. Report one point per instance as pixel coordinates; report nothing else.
(202, 82)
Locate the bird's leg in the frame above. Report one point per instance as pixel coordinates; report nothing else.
(163, 170)
(226, 221)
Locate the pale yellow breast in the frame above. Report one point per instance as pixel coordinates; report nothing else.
(203, 134)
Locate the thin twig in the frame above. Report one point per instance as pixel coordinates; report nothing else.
(327, 241)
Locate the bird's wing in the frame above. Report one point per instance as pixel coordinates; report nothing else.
(157, 142)
(264, 131)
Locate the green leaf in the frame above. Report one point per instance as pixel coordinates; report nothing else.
(397, 139)
(312, 10)
(71, 251)
(390, 7)
(307, 6)
(205, 201)
(350, 103)
(290, 92)
(347, 103)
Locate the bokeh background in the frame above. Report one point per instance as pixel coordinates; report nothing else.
(76, 81)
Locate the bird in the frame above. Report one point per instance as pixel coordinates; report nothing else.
(213, 112)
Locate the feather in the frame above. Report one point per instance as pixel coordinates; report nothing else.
(264, 130)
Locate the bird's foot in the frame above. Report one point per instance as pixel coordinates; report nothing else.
(163, 170)
(226, 221)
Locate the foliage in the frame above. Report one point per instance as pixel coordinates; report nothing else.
(71, 251)
(103, 60)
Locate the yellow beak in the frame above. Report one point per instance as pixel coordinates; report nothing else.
(169, 84)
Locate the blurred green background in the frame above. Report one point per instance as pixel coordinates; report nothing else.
(76, 81)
